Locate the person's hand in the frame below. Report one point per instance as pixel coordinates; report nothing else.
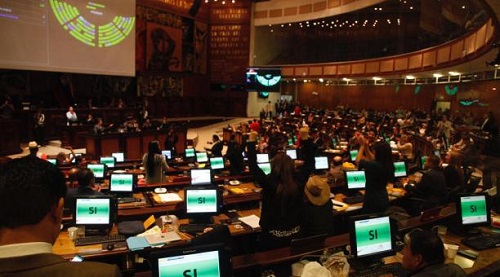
(253, 136)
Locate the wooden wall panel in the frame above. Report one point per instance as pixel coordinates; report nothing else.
(457, 50)
(443, 55)
(372, 67)
(315, 70)
(429, 58)
(401, 64)
(344, 69)
(415, 61)
(387, 66)
(330, 70)
(358, 68)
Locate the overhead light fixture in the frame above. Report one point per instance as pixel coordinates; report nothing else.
(223, 2)
(453, 73)
(377, 78)
(346, 79)
(410, 77)
(321, 80)
(437, 75)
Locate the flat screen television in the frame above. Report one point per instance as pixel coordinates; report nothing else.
(262, 157)
(96, 213)
(266, 168)
(201, 176)
(292, 153)
(108, 161)
(202, 260)
(201, 157)
(98, 170)
(121, 183)
(217, 163)
(372, 237)
(353, 154)
(321, 163)
(473, 210)
(202, 203)
(355, 179)
(189, 153)
(400, 169)
(52, 161)
(167, 154)
(119, 157)
(263, 79)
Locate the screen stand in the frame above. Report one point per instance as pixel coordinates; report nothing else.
(466, 231)
(201, 219)
(360, 264)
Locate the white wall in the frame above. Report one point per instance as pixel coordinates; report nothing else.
(256, 104)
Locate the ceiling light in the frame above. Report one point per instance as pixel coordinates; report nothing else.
(437, 75)
(410, 77)
(453, 73)
(377, 78)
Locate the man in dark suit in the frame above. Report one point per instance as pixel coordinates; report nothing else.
(32, 195)
(217, 146)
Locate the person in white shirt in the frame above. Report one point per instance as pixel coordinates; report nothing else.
(71, 116)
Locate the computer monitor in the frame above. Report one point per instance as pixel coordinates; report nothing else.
(202, 203)
(108, 161)
(98, 170)
(321, 163)
(52, 161)
(355, 179)
(292, 153)
(290, 141)
(121, 183)
(217, 163)
(201, 260)
(201, 157)
(167, 154)
(119, 157)
(372, 237)
(189, 153)
(76, 156)
(423, 160)
(400, 169)
(201, 176)
(334, 142)
(266, 168)
(473, 210)
(262, 158)
(96, 213)
(353, 154)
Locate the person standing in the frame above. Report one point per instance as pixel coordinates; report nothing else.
(71, 116)
(154, 163)
(39, 127)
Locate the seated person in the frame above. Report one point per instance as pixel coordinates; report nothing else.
(454, 173)
(65, 160)
(466, 148)
(430, 190)
(31, 202)
(316, 213)
(86, 186)
(423, 255)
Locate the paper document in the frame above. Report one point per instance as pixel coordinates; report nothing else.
(154, 239)
(251, 220)
(170, 197)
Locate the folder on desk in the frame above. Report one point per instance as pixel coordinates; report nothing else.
(137, 243)
(251, 220)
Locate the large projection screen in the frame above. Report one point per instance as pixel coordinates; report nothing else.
(79, 36)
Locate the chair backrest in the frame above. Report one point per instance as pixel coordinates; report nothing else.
(472, 184)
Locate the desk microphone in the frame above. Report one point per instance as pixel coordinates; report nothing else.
(160, 190)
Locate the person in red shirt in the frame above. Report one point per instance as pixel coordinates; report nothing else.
(255, 125)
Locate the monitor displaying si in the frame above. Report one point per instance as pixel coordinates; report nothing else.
(119, 157)
(202, 203)
(372, 236)
(97, 169)
(400, 169)
(355, 179)
(473, 210)
(423, 160)
(266, 168)
(290, 142)
(201, 176)
(321, 163)
(217, 162)
(52, 161)
(292, 153)
(189, 153)
(108, 161)
(121, 183)
(96, 212)
(202, 260)
(201, 157)
(167, 154)
(262, 158)
(353, 154)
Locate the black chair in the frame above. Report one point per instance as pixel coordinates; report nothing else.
(472, 183)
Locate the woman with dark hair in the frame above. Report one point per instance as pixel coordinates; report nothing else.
(282, 194)
(154, 163)
(379, 170)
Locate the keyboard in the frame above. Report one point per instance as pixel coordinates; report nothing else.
(483, 241)
(395, 269)
(99, 239)
(193, 228)
(126, 200)
(354, 199)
